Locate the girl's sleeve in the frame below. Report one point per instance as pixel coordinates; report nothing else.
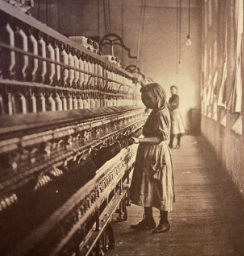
(163, 126)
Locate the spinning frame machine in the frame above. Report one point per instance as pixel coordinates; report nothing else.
(66, 117)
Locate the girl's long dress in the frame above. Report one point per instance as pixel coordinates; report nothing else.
(177, 126)
(153, 182)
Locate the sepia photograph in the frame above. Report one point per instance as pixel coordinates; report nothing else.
(121, 128)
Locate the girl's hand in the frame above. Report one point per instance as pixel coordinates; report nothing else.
(134, 140)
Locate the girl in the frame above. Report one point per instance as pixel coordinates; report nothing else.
(152, 182)
(177, 127)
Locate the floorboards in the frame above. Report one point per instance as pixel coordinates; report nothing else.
(208, 215)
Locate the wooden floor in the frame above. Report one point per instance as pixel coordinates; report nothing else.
(208, 215)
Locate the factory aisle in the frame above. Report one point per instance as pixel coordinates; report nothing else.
(208, 213)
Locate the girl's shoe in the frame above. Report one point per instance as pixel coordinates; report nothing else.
(144, 225)
(177, 146)
(162, 227)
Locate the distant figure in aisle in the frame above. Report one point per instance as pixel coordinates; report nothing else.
(177, 127)
(152, 182)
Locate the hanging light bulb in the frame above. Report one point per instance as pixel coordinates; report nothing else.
(179, 64)
(188, 41)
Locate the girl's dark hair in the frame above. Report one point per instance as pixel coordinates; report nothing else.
(157, 91)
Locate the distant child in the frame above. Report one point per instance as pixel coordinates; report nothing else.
(177, 127)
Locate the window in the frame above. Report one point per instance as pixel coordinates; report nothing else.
(235, 101)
